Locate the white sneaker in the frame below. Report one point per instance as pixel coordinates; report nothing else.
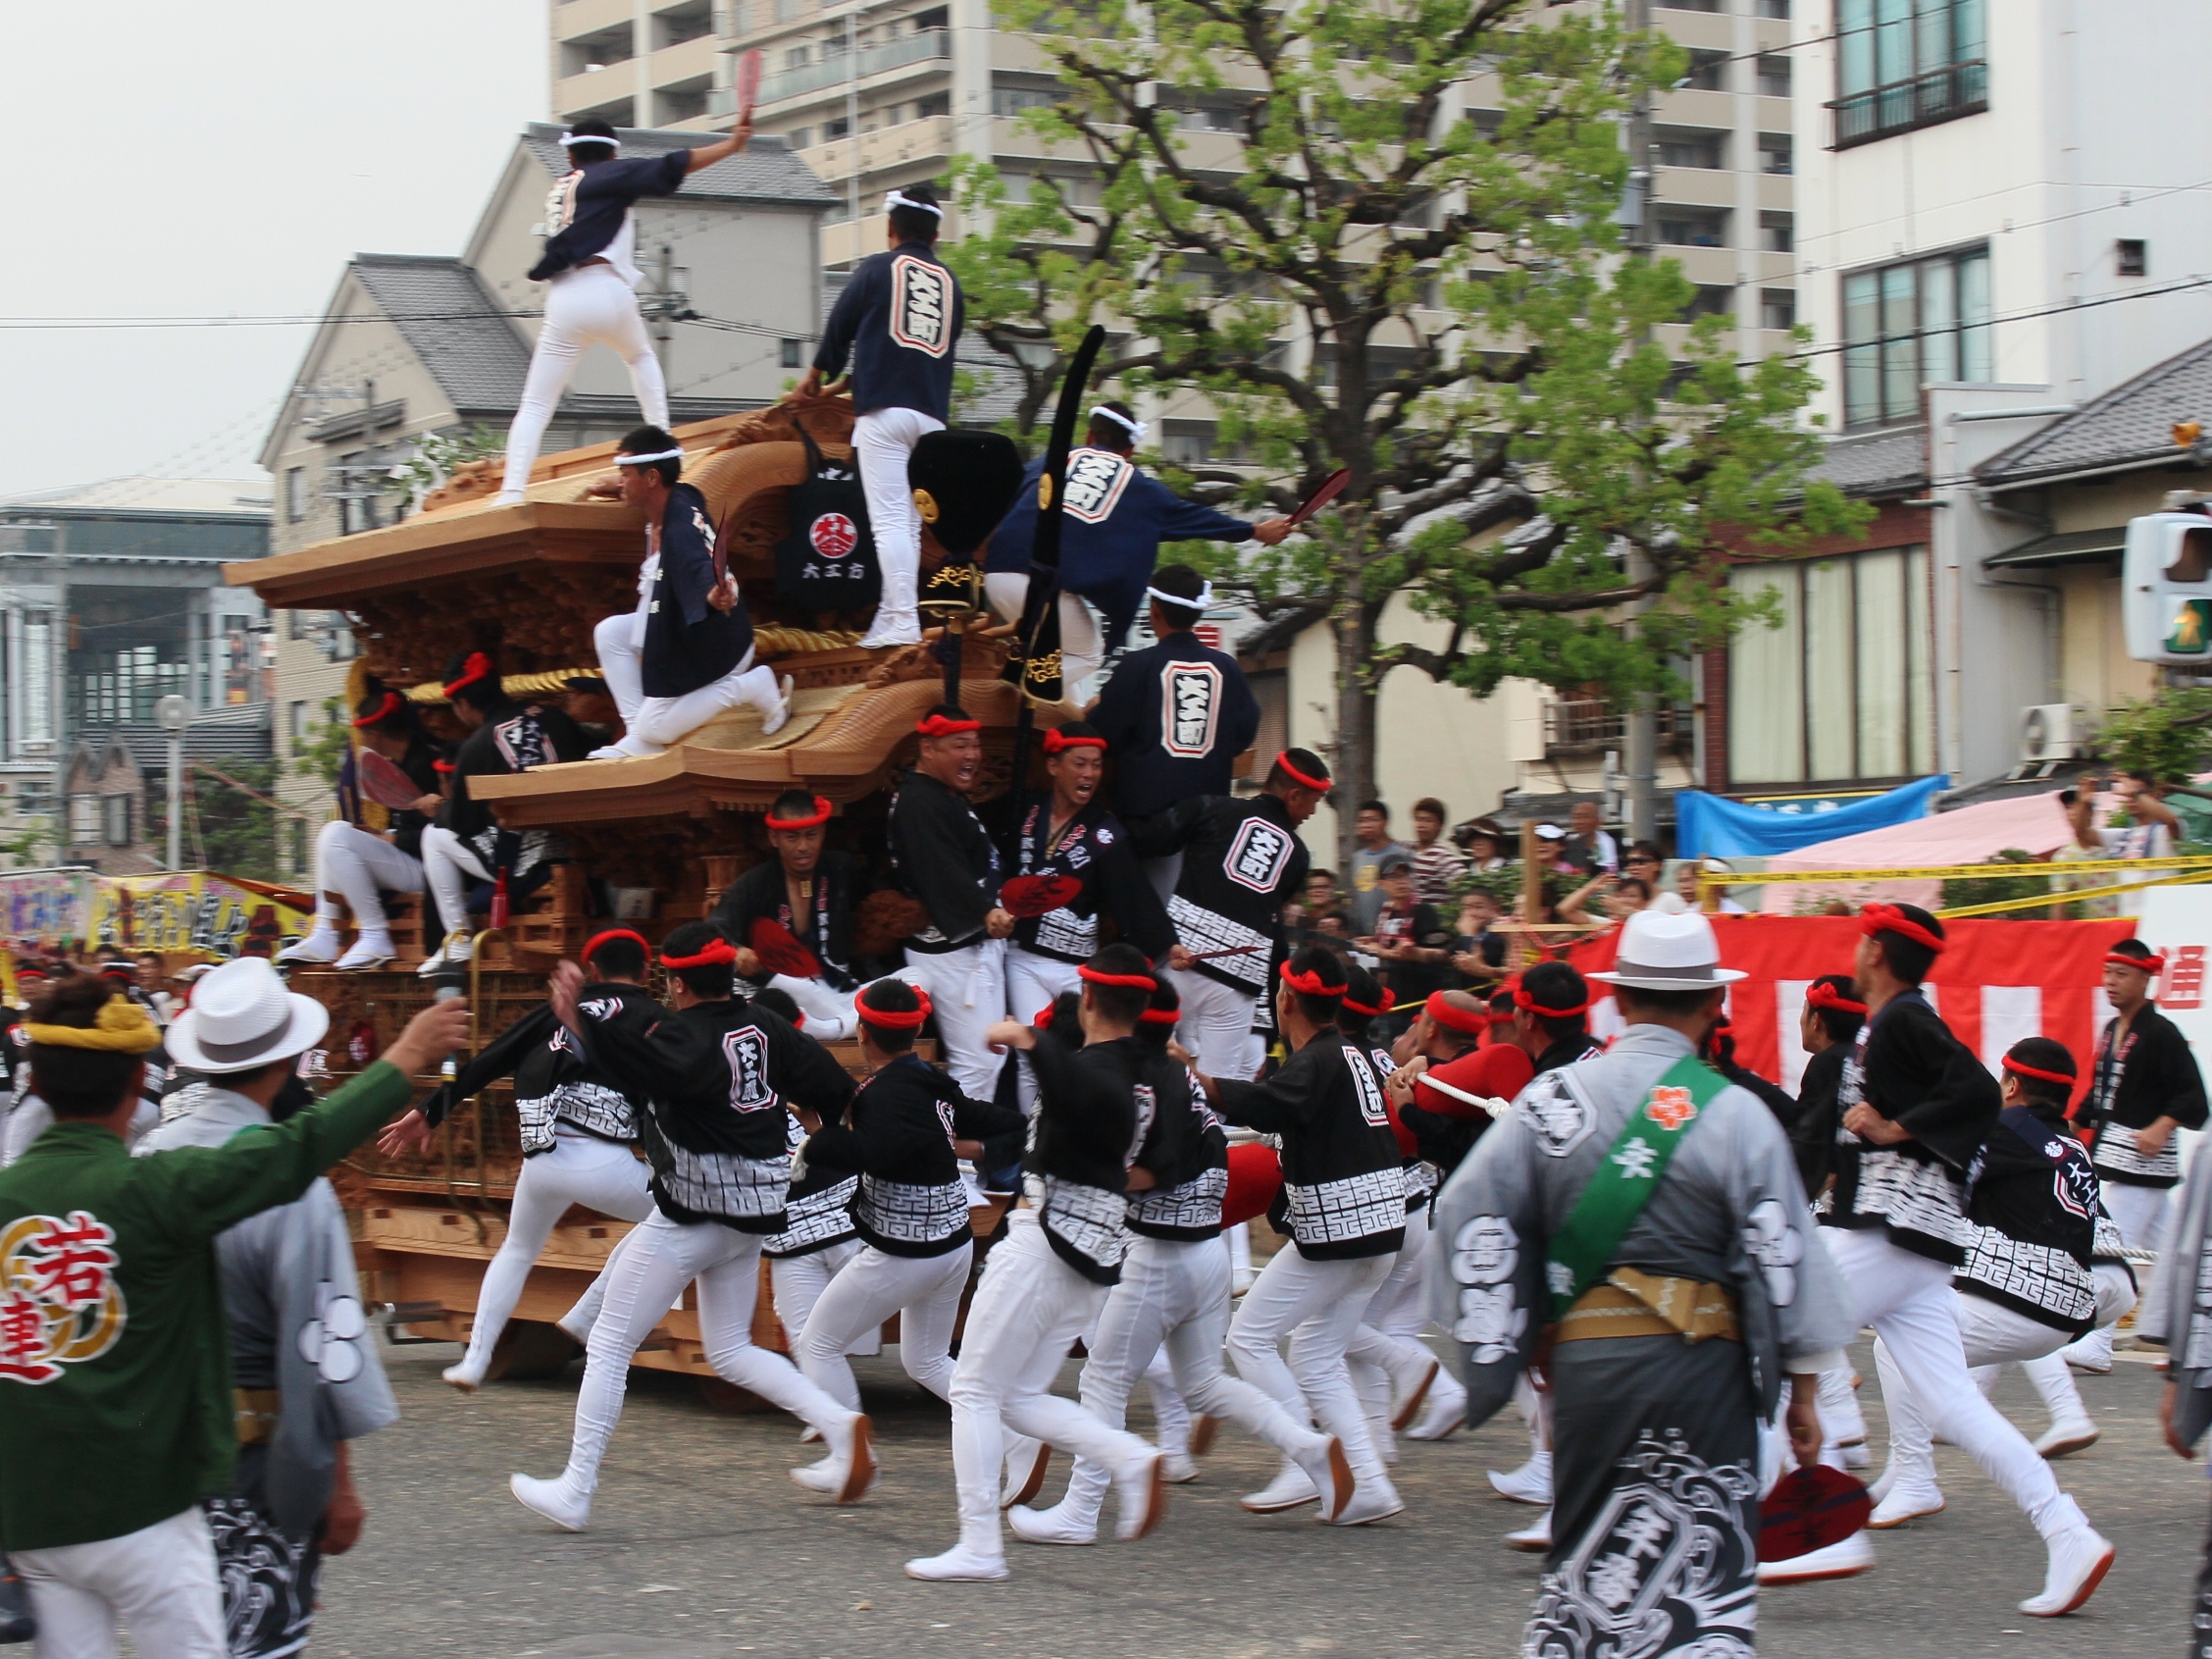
(776, 716)
(893, 628)
(508, 498)
(1142, 1486)
(1531, 1483)
(1447, 1410)
(466, 1378)
(318, 949)
(1372, 1500)
(2080, 1558)
(632, 746)
(826, 1475)
(1026, 1463)
(1907, 1500)
(1329, 1472)
(1416, 1396)
(2063, 1439)
(1384, 1441)
(370, 951)
(1050, 1525)
(556, 1500)
(1178, 1468)
(608, 751)
(454, 952)
(1842, 1559)
(1291, 1488)
(1533, 1539)
(2092, 1354)
(853, 1455)
(959, 1564)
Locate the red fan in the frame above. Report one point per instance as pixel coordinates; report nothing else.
(748, 84)
(382, 782)
(779, 952)
(1255, 1175)
(1811, 1509)
(1035, 895)
(1325, 491)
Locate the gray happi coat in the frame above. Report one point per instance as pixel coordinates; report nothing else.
(1729, 1211)
(2178, 1310)
(297, 1326)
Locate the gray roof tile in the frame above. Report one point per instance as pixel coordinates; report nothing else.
(452, 322)
(1876, 463)
(2132, 422)
(764, 170)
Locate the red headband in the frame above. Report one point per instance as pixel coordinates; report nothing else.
(1389, 1002)
(1284, 762)
(1056, 743)
(1523, 999)
(383, 711)
(442, 765)
(895, 1020)
(1888, 918)
(1456, 1019)
(1309, 984)
(938, 726)
(821, 817)
(1130, 981)
(1826, 995)
(712, 953)
(1161, 1016)
(2066, 1077)
(1043, 1021)
(477, 667)
(598, 939)
(2152, 966)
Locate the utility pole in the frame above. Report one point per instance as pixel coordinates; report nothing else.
(1640, 728)
(171, 714)
(664, 327)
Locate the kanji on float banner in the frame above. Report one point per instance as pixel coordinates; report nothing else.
(1998, 982)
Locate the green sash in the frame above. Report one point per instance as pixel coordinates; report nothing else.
(1627, 1177)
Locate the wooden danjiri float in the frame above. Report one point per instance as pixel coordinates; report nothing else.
(526, 583)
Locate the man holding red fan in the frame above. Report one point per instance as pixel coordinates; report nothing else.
(790, 917)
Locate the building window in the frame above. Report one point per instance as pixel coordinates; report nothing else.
(1844, 688)
(1902, 64)
(295, 721)
(1773, 76)
(1709, 72)
(1774, 8)
(1012, 100)
(2133, 257)
(1186, 443)
(789, 353)
(1271, 690)
(295, 495)
(84, 819)
(1907, 325)
(835, 130)
(940, 17)
(1777, 308)
(1693, 227)
(1776, 153)
(115, 819)
(1778, 233)
(797, 57)
(1688, 146)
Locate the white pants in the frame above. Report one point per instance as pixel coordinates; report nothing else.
(1216, 1025)
(583, 307)
(883, 440)
(1173, 1297)
(1842, 1424)
(2139, 1213)
(967, 991)
(159, 1581)
(1033, 984)
(581, 1168)
(656, 1260)
(2052, 1377)
(1318, 1304)
(1990, 1335)
(924, 1291)
(1386, 1348)
(449, 862)
(1027, 1313)
(1908, 1300)
(1081, 646)
(656, 723)
(797, 1283)
(357, 865)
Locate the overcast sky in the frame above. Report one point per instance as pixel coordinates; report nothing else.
(225, 160)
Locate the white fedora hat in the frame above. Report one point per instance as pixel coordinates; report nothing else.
(1668, 952)
(241, 1018)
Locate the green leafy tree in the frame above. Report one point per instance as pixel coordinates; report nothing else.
(1295, 217)
(437, 453)
(2166, 736)
(230, 818)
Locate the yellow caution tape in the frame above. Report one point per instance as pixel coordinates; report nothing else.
(1960, 872)
(2043, 901)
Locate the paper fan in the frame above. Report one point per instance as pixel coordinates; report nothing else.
(779, 952)
(1036, 895)
(383, 782)
(1811, 1509)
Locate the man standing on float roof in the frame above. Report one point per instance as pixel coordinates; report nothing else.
(591, 271)
(897, 320)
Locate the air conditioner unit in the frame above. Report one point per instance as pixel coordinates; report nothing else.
(2051, 731)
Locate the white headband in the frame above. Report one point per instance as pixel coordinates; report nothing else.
(1204, 598)
(568, 138)
(622, 461)
(892, 199)
(1135, 429)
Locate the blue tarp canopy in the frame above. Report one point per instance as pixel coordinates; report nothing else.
(1710, 826)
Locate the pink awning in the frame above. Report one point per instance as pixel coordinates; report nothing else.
(2033, 823)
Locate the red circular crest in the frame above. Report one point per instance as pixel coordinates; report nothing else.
(833, 536)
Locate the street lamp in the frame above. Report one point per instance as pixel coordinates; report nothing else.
(173, 714)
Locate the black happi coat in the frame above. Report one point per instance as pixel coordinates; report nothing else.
(945, 858)
(513, 737)
(688, 644)
(826, 928)
(1096, 1111)
(1094, 848)
(2033, 1203)
(1175, 716)
(2148, 1074)
(1242, 859)
(1344, 1194)
(553, 1080)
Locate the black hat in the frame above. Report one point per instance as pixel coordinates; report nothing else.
(963, 483)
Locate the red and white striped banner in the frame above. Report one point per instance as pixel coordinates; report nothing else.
(1998, 982)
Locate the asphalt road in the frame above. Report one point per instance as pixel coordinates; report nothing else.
(700, 1546)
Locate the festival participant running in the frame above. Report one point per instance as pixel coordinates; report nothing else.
(504, 736)
(577, 1119)
(590, 263)
(1069, 831)
(1176, 714)
(684, 654)
(1626, 1202)
(897, 319)
(1916, 1109)
(356, 866)
(810, 893)
(902, 1137)
(1241, 862)
(946, 860)
(1045, 1281)
(2143, 1085)
(1825, 1029)
(1112, 525)
(2026, 1289)
(717, 1074)
(1343, 1203)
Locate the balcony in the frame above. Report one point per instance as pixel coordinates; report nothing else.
(935, 44)
(1591, 725)
(1939, 95)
